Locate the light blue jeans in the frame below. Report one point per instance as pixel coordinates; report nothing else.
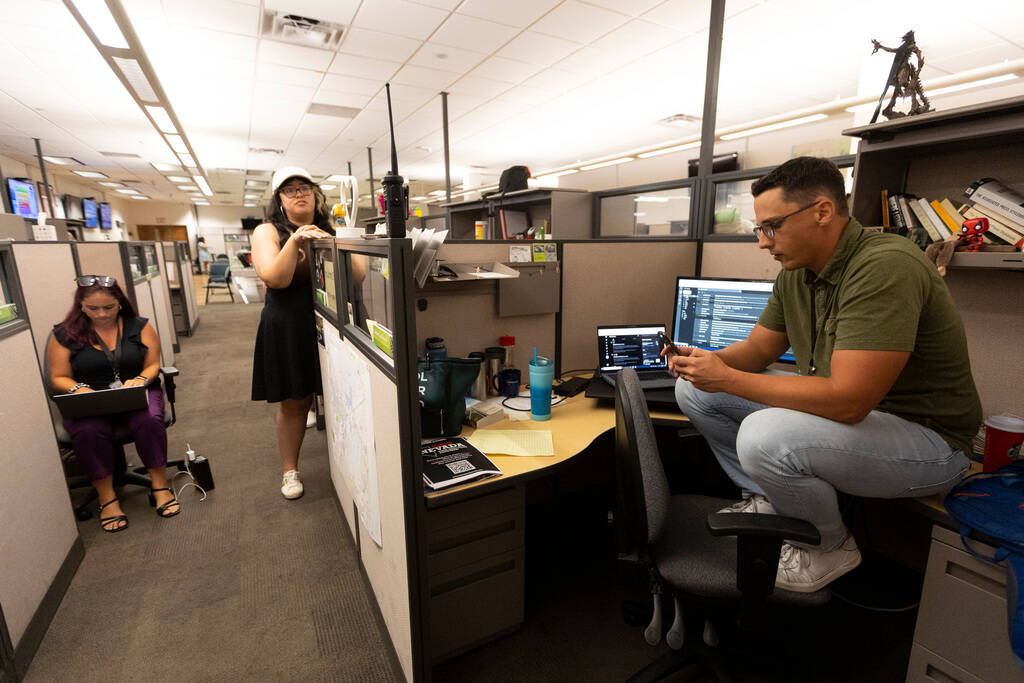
(798, 460)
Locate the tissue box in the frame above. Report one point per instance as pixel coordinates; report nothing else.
(483, 413)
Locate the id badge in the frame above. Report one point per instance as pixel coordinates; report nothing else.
(116, 384)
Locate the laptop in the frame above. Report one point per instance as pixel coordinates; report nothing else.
(633, 346)
(102, 402)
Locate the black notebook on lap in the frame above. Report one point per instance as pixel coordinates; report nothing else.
(102, 402)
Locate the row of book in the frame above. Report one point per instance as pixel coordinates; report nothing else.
(942, 219)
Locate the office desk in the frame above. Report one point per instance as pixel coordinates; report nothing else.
(475, 532)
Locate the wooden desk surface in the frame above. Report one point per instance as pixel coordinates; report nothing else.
(575, 424)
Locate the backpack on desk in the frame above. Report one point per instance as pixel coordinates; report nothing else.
(442, 386)
(992, 503)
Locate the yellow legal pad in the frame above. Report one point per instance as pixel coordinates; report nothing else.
(513, 441)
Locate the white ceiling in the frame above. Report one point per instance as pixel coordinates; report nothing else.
(540, 82)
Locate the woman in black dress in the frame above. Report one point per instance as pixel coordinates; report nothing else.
(286, 366)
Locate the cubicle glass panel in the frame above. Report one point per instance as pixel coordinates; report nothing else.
(137, 262)
(659, 210)
(236, 246)
(325, 290)
(368, 298)
(733, 212)
(152, 265)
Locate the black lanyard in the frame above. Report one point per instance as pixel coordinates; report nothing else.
(113, 357)
(811, 368)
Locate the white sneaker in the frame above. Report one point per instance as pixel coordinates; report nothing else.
(310, 419)
(806, 570)
(756, 503)
(291, 485)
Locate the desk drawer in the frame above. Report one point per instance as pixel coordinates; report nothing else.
(475, 603)
(473, 540)
(927, 667)
(962, 617)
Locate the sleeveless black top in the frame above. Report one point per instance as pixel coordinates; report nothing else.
(90, 365)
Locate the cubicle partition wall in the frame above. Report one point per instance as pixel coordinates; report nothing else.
(106, 258)
(741, 260)
(617, 283)
(41, 548)
(143, 283)
(47, 274)
(368, 365)
(157, 272)
(180, 287)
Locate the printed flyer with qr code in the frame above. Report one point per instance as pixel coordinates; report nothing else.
(447, 462)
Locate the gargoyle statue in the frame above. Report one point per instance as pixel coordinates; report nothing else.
(904, 77)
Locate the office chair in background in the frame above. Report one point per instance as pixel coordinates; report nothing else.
(122, 436)
(689, 549)
(220, 278)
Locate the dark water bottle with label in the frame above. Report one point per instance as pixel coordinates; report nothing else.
(436, 349)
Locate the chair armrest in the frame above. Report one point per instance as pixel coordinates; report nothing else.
(169, 371)
(762, 525)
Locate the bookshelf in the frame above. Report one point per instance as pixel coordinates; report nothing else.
(567, 213)
(938, 155)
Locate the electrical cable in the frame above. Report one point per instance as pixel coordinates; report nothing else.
(569, 372)
(526, 410)
(187, 471)
(891, 610)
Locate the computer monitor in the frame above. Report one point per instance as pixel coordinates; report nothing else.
(73, 207)
(22, 194)
(711, 314)
(92, 216)
(105, 217)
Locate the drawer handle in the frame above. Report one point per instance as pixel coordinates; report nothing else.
(934, 674)
(470, 537)
(979, 581)
(441, 588)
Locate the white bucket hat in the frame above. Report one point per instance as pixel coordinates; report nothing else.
(283, 174)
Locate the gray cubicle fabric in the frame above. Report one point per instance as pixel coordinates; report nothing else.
(244, 586)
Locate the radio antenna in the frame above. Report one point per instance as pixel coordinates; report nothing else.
(391, 127)
(396, 195)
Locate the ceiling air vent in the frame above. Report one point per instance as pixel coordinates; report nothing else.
(265, 150)
(679, 120)
(297, 30)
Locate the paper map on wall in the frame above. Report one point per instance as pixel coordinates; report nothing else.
(348, 407)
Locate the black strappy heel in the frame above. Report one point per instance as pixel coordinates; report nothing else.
(162, 510)
(110, 524)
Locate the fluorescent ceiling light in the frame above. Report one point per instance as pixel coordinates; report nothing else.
(249, 204)
(188, 188)
(102, 22)
(327, 187)
(178, 145)
(111, 184)
(557, 174)
(256, 183)
(417, 199)
(336, 178)
(179, 179)
(136, 77)
(138, 196)
(203, 185)
(201, 202)
(869, 106)
(659, 200)
(162, 119)
(602, 164)
(252, 196)
(63, 161)
(669, 150)
(127, 190)
(166, 168)
(91, 174)
(638, 215)
(773, 126)
(435, 193)
(187, 161)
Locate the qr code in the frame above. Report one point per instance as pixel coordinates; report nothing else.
(459, 467)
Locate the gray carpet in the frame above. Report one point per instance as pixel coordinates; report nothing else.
(242, 586)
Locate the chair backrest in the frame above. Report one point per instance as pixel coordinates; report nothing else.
(643, 488)
(219, 271)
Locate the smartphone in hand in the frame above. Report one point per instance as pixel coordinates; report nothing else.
(666, 343)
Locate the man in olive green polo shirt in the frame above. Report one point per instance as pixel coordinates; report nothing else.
(884, 405)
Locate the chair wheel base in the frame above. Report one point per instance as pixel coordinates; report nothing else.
(83, 515)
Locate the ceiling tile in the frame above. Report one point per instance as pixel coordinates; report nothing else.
(521, 13)
(590, 62)
(481, 87)
(281, 91)
(635, 39)
(358, 41)
(336, 11)
(505, 70)
(363, 67)
(341, 99)
(218, 15)
(358, 86)
(578, 22)
(440, 4)
(459, 103)
(446, 58)
(473, 34)
(538, 48)
(314, 127)
(288, 75)
(399, 17)
(553, 80)
(687, 16)
(634, 8)
(424, 77)
(274, 52)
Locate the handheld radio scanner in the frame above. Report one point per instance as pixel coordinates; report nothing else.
(396, 195)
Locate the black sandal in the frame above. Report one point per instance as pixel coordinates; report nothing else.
(162, 510)
(108, 524)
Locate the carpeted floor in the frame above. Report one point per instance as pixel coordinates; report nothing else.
(242, 586)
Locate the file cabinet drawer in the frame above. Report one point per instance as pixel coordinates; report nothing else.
(927, 667)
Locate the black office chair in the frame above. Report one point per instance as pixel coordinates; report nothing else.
(220, 278)
(689, 548)
(122, 436)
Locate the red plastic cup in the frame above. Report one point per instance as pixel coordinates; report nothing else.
(1002, 434)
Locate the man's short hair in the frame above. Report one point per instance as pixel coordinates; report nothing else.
(804, 178)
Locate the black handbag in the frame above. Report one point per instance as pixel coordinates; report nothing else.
(443, 385)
